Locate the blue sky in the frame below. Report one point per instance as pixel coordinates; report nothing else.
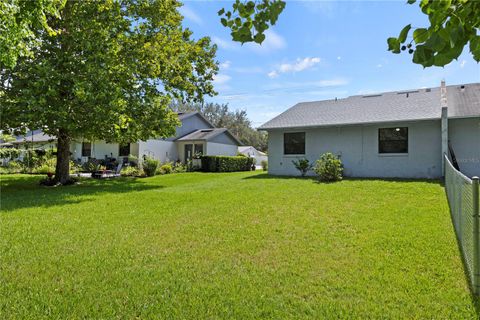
(318, 50)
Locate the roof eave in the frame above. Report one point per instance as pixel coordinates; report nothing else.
(346, 124)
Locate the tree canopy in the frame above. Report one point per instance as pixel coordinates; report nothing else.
(109, 72)
(454, 24)
(19, 20)
(222, 117)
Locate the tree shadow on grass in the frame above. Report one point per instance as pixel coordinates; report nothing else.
(24, 191)
(266, 176)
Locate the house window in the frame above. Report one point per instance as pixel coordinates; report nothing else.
(294, 143)
(124, 150)
(86, 149)
(198, 149)
(393, 140)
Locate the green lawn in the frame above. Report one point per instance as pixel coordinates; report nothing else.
(236, 245)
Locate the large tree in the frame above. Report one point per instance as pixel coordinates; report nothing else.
(109, 72)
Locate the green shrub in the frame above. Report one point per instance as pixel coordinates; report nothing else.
(150, 166)
(166, 168)
(4, 170)
(226, 163)
(302, 165)
(329, 167)
(179, 167)
(15, 167)
(130, 171)
(264, 164)
(9, 153)
(132, 158)
(75, 167)
(92, 165)
(46, 166)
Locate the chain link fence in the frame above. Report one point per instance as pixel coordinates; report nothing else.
(463, 198)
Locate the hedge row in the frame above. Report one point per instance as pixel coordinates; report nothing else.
(226, 163)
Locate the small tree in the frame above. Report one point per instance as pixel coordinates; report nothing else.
(302, 165)
(329, 168)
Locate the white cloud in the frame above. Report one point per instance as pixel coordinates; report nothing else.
(273, 74)
(339, 58)
(225, 64)
(379, 65)
(190, 15)
(462, 64)
(297, 66)
(221, 78)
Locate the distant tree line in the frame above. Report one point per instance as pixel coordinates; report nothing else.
(234, 120)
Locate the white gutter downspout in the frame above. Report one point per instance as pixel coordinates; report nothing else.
(443, 103)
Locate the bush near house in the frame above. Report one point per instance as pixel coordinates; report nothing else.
(48, 166)
(165, 168)
(302, 165)
(264, 164)
(130, 171)
(179, 167)
(329, 168)
(226, 163)
(9, 153)
(36, 161)
(15, 167)
(150, 166)
(91, 165)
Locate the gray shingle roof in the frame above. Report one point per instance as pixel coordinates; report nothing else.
(421, 104)
(34, 136)
(202, 134)
(184, 115)
(207, 134)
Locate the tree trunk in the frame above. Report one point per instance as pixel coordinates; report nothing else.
(62, 169)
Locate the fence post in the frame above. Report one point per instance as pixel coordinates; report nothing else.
(476, 236)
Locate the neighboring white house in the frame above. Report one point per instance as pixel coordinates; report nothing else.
(251, 152)
(196, 135)
(394, 134)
